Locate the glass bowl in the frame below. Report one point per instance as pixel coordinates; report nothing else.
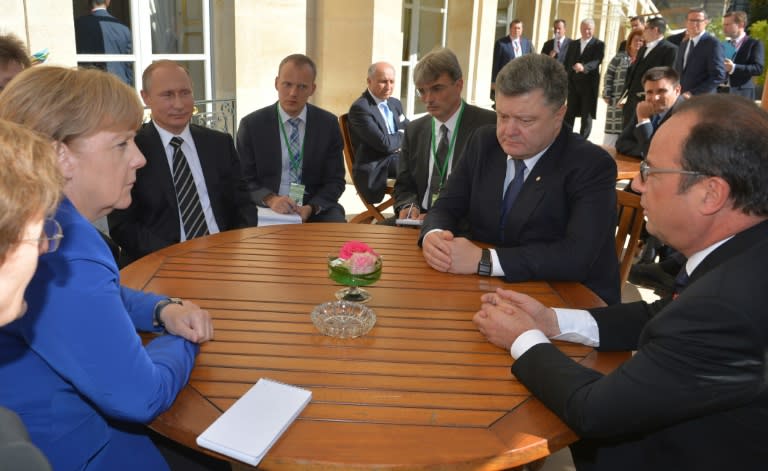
(343, 319)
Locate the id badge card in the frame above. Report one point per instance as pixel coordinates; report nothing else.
(435, 196)
(296, 192)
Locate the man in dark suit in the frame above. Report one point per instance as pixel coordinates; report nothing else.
(291, 151)
(158, 214)
(376, 125)
(542, 196)
(694, 395)
(434, 143)
(657, 52)
(101, 33)
(557, 46)
(509, 47)
(582, 62)
(748, 59)
(700, 61)
(662, 95)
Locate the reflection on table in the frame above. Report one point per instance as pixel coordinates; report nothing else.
(422, 390)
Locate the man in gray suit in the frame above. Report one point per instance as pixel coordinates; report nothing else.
(434, 143)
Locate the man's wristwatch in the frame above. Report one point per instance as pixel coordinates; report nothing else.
(156, 322)
(484, 267)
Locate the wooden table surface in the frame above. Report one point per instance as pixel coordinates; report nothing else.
(626, 165)
(423, 390)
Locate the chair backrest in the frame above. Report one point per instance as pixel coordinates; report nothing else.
(630, 225)
(349, 151)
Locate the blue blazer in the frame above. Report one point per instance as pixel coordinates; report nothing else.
(73, 367)
(705, 69)
(562, 224)
(503, 52)
(258, 144)
(374, 146)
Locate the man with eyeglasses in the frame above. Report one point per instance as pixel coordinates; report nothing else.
(662, 95)
(657, 52)
(433, 144)
(700, 60)
(540, 195)
(291, 151)
(693, 396)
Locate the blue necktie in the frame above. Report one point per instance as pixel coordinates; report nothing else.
(294, 150)
(655, 120)
(388, 116)
(681, 281)
(512, 191)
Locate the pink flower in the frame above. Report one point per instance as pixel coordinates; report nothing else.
(362, 263)
(354, 246)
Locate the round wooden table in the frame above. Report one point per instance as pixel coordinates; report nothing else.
(422, 390)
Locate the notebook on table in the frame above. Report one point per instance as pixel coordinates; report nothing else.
(248, 429)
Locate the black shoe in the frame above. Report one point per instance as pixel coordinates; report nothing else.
(652, 275)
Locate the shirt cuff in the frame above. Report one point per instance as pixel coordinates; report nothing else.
(496, 269)
(577, 326)
(526, 341)
(640, 123)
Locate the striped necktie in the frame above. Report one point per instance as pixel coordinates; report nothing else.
(191, 210)
(294, 152)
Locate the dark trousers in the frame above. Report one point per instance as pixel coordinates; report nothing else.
(579, 105)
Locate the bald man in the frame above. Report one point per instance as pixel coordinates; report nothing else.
(377, 124)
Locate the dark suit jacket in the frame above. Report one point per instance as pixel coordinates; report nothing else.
(151, 222)
(562, 224)
(749, 61)
(374, 146)
(413, 168)
(634, 140)
(694, 395)
(586, 83)
(503, 52)
(322, 168)
(663, 54)
(705, 68)
(549, 46)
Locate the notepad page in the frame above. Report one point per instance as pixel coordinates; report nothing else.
(248, 429)
(267, 217)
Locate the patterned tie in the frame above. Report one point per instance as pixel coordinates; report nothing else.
(191, 210)
(294, 150)
(388, 116)
(513, 189)
(441, 154)
(516, 43)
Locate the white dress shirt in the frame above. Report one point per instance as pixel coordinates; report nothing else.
(193, 160)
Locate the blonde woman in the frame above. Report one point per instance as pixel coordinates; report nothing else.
(73, 367)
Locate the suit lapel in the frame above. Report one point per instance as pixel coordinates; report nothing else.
(738, 244)
(160, 167)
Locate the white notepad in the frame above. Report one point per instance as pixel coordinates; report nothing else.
(248, 429)
(267, 217)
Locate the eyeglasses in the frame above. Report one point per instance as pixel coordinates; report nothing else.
(646, 170)
(434, 89)
(50, 236)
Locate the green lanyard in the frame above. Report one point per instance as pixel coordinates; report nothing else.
(295, 160)
(444, 171)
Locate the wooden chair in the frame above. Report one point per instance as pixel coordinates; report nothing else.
(630, 224)
(373, 211)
